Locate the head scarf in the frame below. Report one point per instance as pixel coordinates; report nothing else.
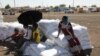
(65, 20)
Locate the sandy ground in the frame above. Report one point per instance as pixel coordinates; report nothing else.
(90, 20)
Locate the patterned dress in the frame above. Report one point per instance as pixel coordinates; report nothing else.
(74, 43)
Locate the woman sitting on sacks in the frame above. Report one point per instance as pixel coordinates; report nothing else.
(66, 27)
(75, 46)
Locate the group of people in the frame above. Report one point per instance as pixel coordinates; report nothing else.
(29, 33)
(32, 34)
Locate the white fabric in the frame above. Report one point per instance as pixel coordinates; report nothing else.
(28, 33)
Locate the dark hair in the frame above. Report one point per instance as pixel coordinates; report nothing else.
(35, 25)
(16, 29)
(25, 26)
(65, 18)
(30, 17)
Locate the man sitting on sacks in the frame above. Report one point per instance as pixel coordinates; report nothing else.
(18, 38)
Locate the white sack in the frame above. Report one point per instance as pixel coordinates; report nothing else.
(43, 49)
(7, 29)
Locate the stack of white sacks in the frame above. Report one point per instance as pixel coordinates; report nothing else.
(7, 29)
(53, 46)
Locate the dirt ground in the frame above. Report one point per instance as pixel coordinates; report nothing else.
(90, 20)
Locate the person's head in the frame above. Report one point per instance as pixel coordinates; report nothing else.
(16, 30)
(35, 25)
(25, 26)
(65, 19)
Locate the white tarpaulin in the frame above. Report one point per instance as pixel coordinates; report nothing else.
(52, 47)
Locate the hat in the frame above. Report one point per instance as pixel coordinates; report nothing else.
(30, 17)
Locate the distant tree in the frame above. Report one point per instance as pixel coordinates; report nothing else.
(69, 6)
(51, 6)
(93, 6)
(78, 6)
(56, 7)
(62, 5)
(7, 6)
(84, 6)
(38, 6)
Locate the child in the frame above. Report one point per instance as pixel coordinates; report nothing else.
(33, 33)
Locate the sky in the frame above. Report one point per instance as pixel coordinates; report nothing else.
(34, 3)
